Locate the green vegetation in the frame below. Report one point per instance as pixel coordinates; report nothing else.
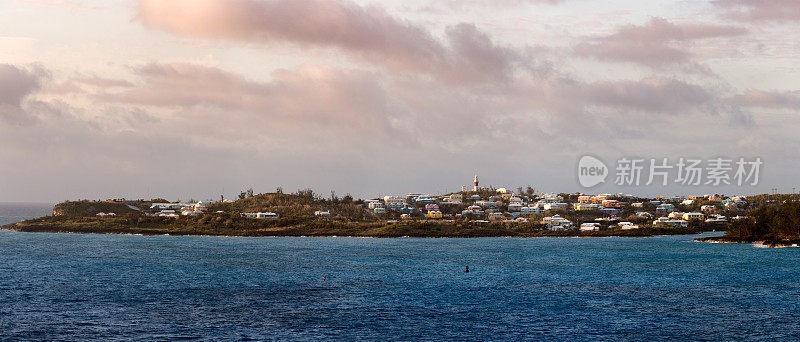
(234, 225)
(772, 224)
(348, 217)
(92, 208)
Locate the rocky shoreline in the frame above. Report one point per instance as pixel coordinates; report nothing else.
(419, 229)
(773, 243)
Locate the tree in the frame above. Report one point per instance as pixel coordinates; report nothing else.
(530, 191)
(306, 193)
(347, 199)
(279, 190)
(245, 194)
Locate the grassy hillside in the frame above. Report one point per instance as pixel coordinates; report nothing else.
(301, 205)
(92, 208)
(233, 225)
(775, 224)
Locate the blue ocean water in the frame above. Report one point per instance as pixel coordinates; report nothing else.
(118, 287)
(15, 212)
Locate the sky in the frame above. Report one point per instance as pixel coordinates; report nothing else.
(193, 99)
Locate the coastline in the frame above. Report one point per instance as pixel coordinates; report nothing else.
(409, 230)
(771, 243)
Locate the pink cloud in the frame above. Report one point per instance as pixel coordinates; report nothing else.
(654, 44)
(653, 94)
(768, 99)
(369, 33)
(305, 99)
(761, 10)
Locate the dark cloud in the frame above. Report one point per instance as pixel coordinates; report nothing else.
(16, 84)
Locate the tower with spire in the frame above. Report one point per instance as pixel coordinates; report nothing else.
(475, 186)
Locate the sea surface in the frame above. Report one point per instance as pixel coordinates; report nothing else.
(124, 287)
(15, 212)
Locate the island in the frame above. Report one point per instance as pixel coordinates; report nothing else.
(775, 224)
(466, 214)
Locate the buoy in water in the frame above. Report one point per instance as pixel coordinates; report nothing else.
(466, 270)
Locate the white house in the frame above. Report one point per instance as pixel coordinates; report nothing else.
(693, 216)
(665, 208)
(555, 206)
(675, 214)
(531, 210)
(267, 215)
(496, 216)
(590, 227)
(394, 203)
(666, 222)
(322, 213)
(167, 213)
(707, 208)
(374, 204)
(717, 219)
(556, 222)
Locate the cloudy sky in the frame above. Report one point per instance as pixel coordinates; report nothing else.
(194, 98)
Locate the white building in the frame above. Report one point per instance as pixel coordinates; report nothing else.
(555, 206)
(514, 207)
(665, 208)
(496, 216)
(266, 215)
(374, 204)
(707, 208)
(693, 216)
(666, 222)
(394, 203)
(556, 222)
(590, 227)
(531, 210)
